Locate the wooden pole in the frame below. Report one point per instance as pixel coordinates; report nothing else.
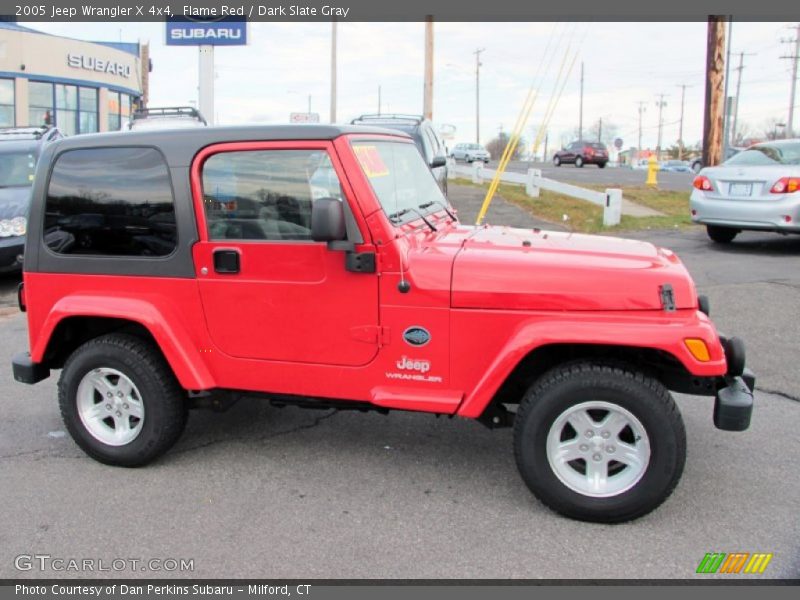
(715, 100)
(333, 71)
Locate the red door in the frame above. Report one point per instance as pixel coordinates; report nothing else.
(268, 291)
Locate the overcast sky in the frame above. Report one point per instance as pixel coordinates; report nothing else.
(624, 63)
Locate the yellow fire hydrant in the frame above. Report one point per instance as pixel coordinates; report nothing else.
(652, 169)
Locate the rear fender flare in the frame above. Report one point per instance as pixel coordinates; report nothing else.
(163, 322)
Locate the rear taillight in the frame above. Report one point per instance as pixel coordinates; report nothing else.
(589, 151)
(701, 182)
(786, 185)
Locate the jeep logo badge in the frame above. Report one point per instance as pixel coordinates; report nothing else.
(416, 336)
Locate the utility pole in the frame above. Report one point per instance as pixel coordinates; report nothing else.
(683, 87)
(660, 104)
(379, 101)
(427, 103)
(477, 54)
(740, 68)
(642, 109)
(600, 130)
(333, 71)
(794, 58)
(726, 111)
(580, 110)
(309, 104)
(715, 66)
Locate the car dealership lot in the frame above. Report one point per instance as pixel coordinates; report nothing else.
(264, 492)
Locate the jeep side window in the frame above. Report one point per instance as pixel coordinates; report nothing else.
(265, 194)
(110, 202)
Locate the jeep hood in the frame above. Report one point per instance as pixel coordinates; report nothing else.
(524, 269)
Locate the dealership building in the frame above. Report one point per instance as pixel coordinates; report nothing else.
(78, 86)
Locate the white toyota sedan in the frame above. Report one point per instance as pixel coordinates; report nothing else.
(757, 189)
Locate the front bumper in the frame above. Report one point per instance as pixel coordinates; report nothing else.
(27, 371)
(733, 402)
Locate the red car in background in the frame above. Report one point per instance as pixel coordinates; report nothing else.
(582, 153)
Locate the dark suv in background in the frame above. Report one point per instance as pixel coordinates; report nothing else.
(20, 148)
(582, 153)
(424, 135)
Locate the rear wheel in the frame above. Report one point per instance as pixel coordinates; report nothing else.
(120, 401)
(602, 165)
(599, 442)
(721, 235)
(579, 162)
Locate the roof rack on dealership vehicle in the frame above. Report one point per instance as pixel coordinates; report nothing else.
(168, 111)
(389, 117)
(23, 132)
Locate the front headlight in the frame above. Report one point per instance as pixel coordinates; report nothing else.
(13, 227)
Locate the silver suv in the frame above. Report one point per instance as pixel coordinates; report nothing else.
(470, 153)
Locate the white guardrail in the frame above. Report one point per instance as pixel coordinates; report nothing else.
(610, 199)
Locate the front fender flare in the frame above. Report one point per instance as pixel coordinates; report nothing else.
(658, 333)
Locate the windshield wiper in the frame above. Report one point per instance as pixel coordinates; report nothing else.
(396, 215)
(440, 203)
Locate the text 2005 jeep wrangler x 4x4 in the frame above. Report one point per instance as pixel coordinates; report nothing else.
(321, 266)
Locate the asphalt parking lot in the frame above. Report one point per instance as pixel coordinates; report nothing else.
(266, 492)
(610, 176)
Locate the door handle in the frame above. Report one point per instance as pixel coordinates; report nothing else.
(226, 261)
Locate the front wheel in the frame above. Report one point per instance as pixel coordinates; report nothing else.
(599, 442)
(556, 161)
(120, 401)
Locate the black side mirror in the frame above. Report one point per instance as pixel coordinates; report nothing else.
(327, 220)
(438, 161)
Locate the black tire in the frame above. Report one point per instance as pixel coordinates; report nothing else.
(645, 398)
(556, 161)
(165, 409)
(602, 165)
(721, 235)
(579, 162)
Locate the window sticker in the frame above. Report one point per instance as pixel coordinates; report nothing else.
(371, 161)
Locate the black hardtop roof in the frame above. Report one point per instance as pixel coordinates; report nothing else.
(180, 145)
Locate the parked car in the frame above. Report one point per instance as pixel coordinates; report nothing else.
(172, 117)
(20, 148)
(470, 153)
(678, 166)
(582, 153)
(424, 135)
(757, 189)
(370, 295)
(697, 163)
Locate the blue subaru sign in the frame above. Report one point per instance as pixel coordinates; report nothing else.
(222, 32)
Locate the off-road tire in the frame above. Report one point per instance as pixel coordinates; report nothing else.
(165, 409)
(576, 383)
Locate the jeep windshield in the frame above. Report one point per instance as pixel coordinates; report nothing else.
(401, 180)
(16, 169)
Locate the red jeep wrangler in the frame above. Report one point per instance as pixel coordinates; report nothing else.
(321, 266)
